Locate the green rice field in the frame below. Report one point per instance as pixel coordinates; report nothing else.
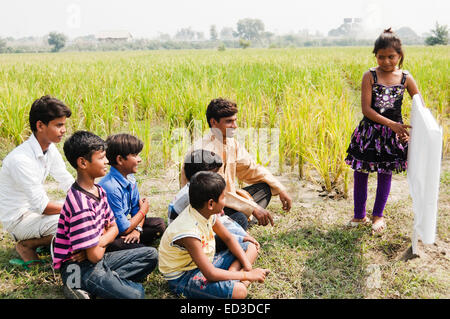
(309, 97)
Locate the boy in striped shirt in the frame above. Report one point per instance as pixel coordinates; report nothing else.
(87, 226)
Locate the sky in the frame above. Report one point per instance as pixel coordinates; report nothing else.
(149, 18)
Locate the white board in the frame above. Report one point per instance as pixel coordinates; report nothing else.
(424, 166)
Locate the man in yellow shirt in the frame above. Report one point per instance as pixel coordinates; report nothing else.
(238, 164)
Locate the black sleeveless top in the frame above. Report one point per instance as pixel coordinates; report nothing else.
(387, 100)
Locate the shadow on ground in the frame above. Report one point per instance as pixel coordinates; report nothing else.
(332, 266)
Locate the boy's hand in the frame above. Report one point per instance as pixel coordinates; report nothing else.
(107, 226)
(257, 274)
(79, 257)
(133, 237)
(252, 240)
(143, 205)
(102, 241)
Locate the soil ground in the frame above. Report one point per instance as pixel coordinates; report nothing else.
(309, 250)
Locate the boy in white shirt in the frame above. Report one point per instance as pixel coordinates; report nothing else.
(25, 209)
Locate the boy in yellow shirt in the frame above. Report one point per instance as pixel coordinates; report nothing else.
(187, 255)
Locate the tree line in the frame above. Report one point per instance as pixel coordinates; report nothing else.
(248, 33)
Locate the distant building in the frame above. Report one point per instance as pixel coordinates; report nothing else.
(353, 22)
(350, 27)
(114, 36)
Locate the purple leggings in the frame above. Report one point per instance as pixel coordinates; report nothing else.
(360, 193)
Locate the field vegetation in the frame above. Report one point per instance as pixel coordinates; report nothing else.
(310, 96)
(307, 101)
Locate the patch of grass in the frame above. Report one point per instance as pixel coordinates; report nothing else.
(309, 252)
(335, 268)
(16, 283)
(445, 177)
(312, 262)
(404, 282)
(156, 287)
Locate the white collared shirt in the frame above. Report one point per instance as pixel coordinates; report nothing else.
(22, 178)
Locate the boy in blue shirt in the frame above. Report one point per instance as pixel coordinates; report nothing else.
(123, 195)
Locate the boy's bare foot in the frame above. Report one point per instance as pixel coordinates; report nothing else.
(27, 248)
(25, 252)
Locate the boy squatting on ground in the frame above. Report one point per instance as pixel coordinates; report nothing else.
(25, 209)
(123, 195)
(187, 255)
(203, 160)
(85, 228)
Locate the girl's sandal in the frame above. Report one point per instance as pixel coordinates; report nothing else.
(364, 221)
(379, 226)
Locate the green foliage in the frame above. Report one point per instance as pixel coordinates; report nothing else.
(250, 29)
(213, 36)
(221, 47)
(244, 44)
(2, 45)
(57, 40)
(440, 35)
(185, 34)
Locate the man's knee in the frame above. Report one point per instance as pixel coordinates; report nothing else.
(261, 193)
(158, 226)
(161, 226)
(265, 188)
(146, 253)
(150, 258)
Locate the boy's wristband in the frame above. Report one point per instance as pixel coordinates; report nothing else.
(141, 213)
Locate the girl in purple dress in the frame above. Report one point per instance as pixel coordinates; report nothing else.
(380, 142)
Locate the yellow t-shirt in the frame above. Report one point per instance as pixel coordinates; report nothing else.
(173, 260)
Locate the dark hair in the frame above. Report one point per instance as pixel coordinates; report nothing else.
(219, 108)
(201, 160)
(82, 144)
(122, 144)
(46, 109)
(205, 186)
(388, 39)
